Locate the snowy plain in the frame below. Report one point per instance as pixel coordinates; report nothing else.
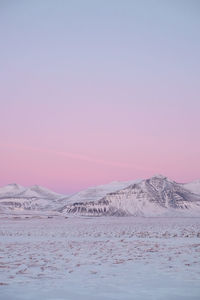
(99, 258)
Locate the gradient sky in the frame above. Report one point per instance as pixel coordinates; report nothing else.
(97, 91)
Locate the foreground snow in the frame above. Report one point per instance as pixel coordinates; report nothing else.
(99, 258)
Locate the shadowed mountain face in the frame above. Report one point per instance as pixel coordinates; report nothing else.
(151, 197)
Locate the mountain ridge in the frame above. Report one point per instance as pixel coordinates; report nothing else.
(19, 198)
(154, 196)
(148, 197)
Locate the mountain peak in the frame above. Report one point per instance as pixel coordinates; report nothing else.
(36, 187)
(15, 186)
(159, 176)
(11, 189)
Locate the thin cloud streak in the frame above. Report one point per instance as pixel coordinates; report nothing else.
(75, 156)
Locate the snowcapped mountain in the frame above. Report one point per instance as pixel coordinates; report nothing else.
(193, 186)
(155, 196)
(97, 192)
(19, 198)
(11, 190)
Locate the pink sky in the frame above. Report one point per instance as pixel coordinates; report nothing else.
(98, 93)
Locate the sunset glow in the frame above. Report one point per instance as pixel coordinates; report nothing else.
(99, 91)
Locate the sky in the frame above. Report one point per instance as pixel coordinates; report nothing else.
(99, 91)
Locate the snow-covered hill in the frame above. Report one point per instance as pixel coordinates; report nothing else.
(193, 186)
(155, 196)
(97, 192)
(18, 198)
(14, 197)
(11, 190)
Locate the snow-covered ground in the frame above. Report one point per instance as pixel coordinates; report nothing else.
(99, 258)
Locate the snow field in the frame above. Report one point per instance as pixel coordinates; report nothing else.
(99, 258)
